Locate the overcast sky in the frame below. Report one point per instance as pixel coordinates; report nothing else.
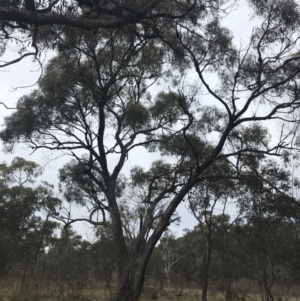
(26, 73)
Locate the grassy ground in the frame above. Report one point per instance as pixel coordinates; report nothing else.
(76, 292)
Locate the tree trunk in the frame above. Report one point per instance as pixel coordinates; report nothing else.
(205, 288)
(131, 273)
(265, 285)
(126, 277)
(132, 261)
(168, 279)
(262, 291)
(206, 266)
(130, 282)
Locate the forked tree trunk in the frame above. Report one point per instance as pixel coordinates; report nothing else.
(130, 282)
(132, 264)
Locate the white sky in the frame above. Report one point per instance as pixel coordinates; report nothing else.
(25, 73)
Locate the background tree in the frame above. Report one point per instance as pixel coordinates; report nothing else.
(268, 213)
(103, 257)
(168, 248)
(24, 209)
(191, 250)
(204, 199)
(68, 258)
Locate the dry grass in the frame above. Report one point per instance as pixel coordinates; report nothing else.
(78, 292)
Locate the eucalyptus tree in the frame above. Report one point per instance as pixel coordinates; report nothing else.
(272, 218)
(103, 256)
(206, 200)
(94, 104)
(68, 259)
(170, 255)
(24, 229)
(191, 250)
(33, 26)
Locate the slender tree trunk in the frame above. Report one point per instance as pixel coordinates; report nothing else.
(206, 266)
(261, 286)
(168, 279)
(265, 285)
(205, 288)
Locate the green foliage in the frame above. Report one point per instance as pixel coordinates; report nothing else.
(285, 11)
(76, 183)
(166, 108)
(159, 174)
(136, 116)
(23, 230)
